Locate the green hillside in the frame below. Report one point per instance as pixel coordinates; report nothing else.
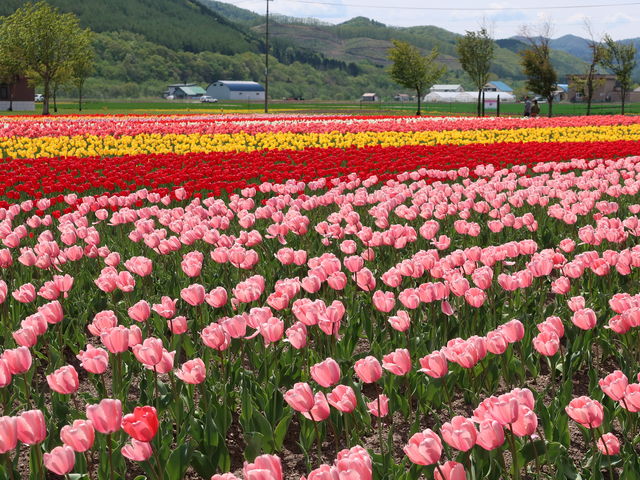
(176, 24)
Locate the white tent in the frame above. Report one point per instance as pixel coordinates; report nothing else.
(466, 97)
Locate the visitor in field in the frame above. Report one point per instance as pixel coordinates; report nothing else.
(527, 106)
(535, 109)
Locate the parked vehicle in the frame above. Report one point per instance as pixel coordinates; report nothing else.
(208, 99)
(39, 97)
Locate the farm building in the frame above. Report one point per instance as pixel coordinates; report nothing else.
(446, 88)
(466, 97)
(21, 93)
(236, 90)
(369, 97)
(184, 91)
(497, 86)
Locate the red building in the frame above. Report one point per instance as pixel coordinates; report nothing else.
(20, 94)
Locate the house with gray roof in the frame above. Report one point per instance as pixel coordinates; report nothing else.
(184, 91)
(236, 90)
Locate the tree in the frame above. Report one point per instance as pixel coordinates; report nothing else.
(9, 72)
(619, 58)
(82, 66)
(412, 70)
(475, 52)
(536, 64)
(44, 43)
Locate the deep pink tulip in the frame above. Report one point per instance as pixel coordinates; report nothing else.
(587, 412)
(18, 360)
(264, 467)
(608, 444)
(326, 373)
(424, 448)
(192, 371)
(379, 407)
(79, 436)
(94, 360)
(64, 380)
(106, 416)
(60, 460)
(300, 397)
(397, 362)
(450, 471)
(368, 369)
(342, 398)
(140, 311)
(460, 433)
(31, 427)
(137, 451)
(8, 434)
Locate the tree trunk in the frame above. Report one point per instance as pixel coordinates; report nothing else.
(47, 93)
(55, 99)
(589, 90)
(80, 97)
(550, 102)
(623, 91)
(479, 102)
(418, 113)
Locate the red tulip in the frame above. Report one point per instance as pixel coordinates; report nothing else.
(142, 424)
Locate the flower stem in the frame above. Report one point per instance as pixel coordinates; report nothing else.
(110, 450)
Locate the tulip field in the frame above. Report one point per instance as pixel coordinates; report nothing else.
(319, 297)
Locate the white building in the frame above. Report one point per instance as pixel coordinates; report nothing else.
(236, 90)
(447, 88)
(467, 97)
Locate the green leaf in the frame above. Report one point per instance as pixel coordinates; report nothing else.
(281, 431)
(179, 462)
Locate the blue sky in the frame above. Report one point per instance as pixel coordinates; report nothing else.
(620, 18)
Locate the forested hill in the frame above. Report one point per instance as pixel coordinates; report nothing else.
(177, 24)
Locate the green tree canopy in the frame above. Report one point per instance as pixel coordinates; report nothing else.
(45, 44)
(620, 59)
(536, 64)
(413, 70)
(475, 52)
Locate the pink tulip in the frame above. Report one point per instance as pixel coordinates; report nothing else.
(401, 321)
(150, 352)
(435, 364)
(264, 467)
(31, 427)
(546, 343)
(608, 444)
(25, 337)
(320, 410)
(526, 423)
(61, 460)
(584, 319)
(105, 416)
(102, 322)
(177, 325)
(51, 312)
(79, 436)
(64, 380)
(18, 360)
(217, 297)
(397, 362)
(137, 451)
(140, 311)
(8, 434)
(379, 407)
(297, 335)
(614, 385)
(384, 301)
(368, 369)
(587, 412)
(450, 471)
(326, 373)
(94, 360)
(491, 435)
(141, 266)
(166, 308)
(496, 342)
(300, 397)
(631, 400)
(25, 294)
(424, 448)
(116, 339)
(460, 433)
(216, 337)
(513, 330)
(475, 297)
(193, 294)
(192, 371)
(342, 398)
(227, 476)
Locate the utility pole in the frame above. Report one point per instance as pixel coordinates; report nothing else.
(266, 62)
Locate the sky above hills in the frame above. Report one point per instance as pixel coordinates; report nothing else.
(620, 19)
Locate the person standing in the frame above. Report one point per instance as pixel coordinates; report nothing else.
(535, 109)
(527, 106)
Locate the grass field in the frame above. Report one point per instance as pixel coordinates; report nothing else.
(165, 107)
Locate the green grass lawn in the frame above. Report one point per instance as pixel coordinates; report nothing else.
(156, 107)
